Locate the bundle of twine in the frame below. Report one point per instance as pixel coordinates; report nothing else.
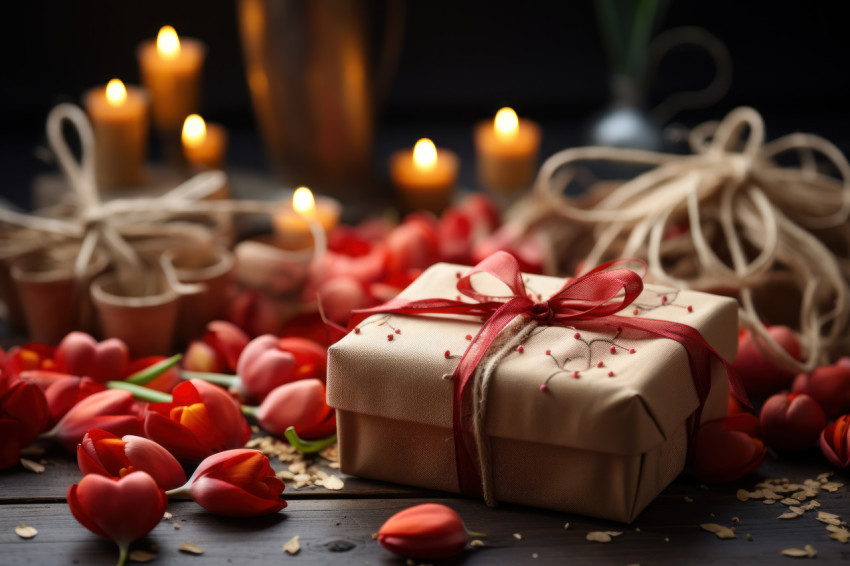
(731, 218)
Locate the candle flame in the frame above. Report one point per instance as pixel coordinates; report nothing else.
(116, 93)
(424, 154)
(194, 130)
(167, 43)
(303, 202)
(506, 123)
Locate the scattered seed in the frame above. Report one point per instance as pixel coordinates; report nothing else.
(25, 531)
(176, 526)
(476, 543)
(566, 525)
(828, 518)
(719, 530)
(840, 534)
(689, 499)
(666, 539)
(637, 529)
(517, 536)
(598, 536)
(167, 516)
(769, 501)
(141, 556)
(32, 466)
(534, 555)
(832, 486)
(743, 495)
(736, 520)
(190, 548)
(333, 483)
(375, 535)
(613, 533)
(749, 537)
(292, 547)
(790, 515)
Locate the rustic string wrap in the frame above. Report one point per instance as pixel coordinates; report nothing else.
(732, 187)
(99, 224)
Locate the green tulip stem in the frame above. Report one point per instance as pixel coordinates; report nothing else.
(474, 533)
(307, 446)
(250, 412)
(222, 379)
(145, 376)
(140, 392)
(123, 553)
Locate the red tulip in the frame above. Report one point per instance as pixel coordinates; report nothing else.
(526, 248)
(256, 312)
(829, 386)
(66, 391)
(201, 419)
(80, 354)
(791, 421)
(101, 452)
(23, 415)
(761, 378)
(121, 510)
(464, 225)
(219, 350)
(835, 442)
(301, 404)
(340, 295)
(28, 357)
(237, 483)
(427, 531)
(113, 410)
(723, 452)
(413, 244)
(356, 252)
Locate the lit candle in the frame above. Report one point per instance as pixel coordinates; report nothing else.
(293, 232)
(424, 177)
(171, 71)
(304, 204)
(204, 144)
(506, 151)
(119, 117)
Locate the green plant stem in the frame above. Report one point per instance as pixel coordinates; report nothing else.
(181, 492)
(250, 411)
(145, 376)
(307, 446)
(123, 553)
(217, 378)
(140, 392)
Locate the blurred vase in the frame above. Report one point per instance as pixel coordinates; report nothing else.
(316, 72)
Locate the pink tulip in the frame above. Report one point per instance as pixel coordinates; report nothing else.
(101, 452)
(67, 391)
(791, 421)
(724, 453)
(340, 295)
(268, 362)
(356, 253)
(835, 442)
(120, 510)
(80, 354)
(113, 410)
(464, 225)
(201, 419)
(300, 404)
(236, 483)
(761, 378)
(829, 386)
(219, 350)
(528, 249)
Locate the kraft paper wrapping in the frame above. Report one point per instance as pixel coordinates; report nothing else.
(605, 437)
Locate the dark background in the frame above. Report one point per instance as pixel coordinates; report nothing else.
(460, 62)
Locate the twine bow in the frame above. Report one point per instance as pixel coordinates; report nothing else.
(595, 297)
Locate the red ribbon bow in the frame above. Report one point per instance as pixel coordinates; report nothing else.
(596, 296)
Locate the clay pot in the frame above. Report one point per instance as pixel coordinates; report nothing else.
(143, 319)
(212, 270)
(53, 302)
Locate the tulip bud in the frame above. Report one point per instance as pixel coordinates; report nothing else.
(119, 510)
(23, 414)
(300, 404)
(113, 410)
(268, 362)
(237, 483)
(791, 421)
(80, 354)
(67, 391)
(835, 442)
(427, 531)
(829, 386)
(725, 450)
(760, 376)
(101, 452)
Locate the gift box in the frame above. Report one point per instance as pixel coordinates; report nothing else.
(588, 416)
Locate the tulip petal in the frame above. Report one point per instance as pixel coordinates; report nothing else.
(224, 498)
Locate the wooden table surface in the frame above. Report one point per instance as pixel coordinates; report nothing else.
(335, 527)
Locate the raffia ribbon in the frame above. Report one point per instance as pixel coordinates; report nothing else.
(732, 188)
(98, 224)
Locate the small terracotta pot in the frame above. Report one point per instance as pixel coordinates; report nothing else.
(53, 302)
(212, 270)
(145, 322)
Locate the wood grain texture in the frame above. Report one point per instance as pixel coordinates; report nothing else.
(336, 527)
